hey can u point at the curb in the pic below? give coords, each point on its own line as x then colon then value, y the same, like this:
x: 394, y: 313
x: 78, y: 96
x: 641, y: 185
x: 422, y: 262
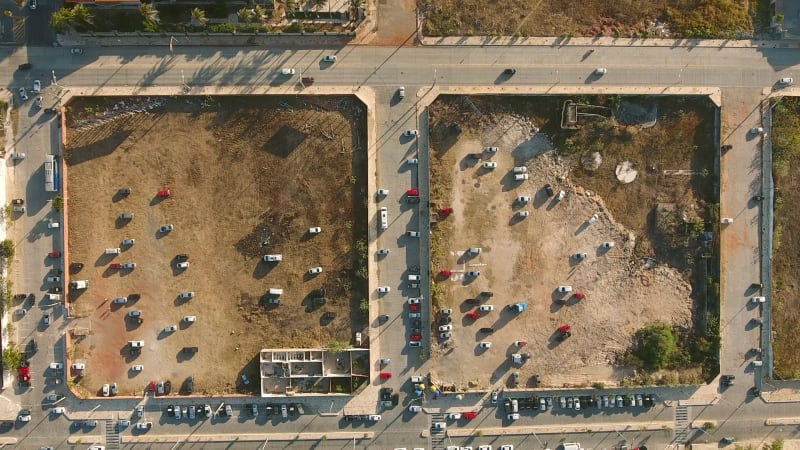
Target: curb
x: 207, y: 438
x: 547, y: 429
x: 487, y: 41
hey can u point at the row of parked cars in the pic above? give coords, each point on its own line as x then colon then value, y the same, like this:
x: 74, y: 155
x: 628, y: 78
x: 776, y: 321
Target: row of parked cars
x: 576, y: 403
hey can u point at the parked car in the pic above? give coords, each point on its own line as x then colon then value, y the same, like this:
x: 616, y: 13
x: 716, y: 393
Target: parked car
x: 190, y: 319
x: 287, y: 71
x: 186, y: 295
x: 445, y: 328
x: 121, y: 300
x: 128, y: 242
x: 411, y: 133
x: 383, y: 289
x: 413, y: 233
x: 329, y: 58
x: 473, y: 273
x: 548, y: 189
x: 76, y: 51
x: 23, y: 95
x: 315, y: 270
x: 130, y: 265
x: 490, y: 165
x: 182, y: 265
x: 601, y: 71
x: 383, y: 251
x: 144, y: 425
x: 165, y: 193
x: 37, y: 86
x: 166, y: 228
x: 106, y: 390
x: 486, y: 308
x: 485, y: 344
x: 509, y: 71
x: 170, y: 329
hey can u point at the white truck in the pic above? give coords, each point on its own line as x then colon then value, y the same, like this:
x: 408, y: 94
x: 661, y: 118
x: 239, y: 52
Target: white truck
x: 79, y: 284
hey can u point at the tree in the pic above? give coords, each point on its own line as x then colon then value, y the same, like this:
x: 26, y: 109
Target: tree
x: 149, y: 14
x: 199, y: 16
x: 61, y: 20
x: 260, y: 14
x: 7, y: 249
x: 318, y: 5
x: 656, y: 346
x: 245, y: 15
x: 336, y: 347
x: 363, y: 305
x: 12, y: 358
x: 81, y: 17
x: 58, y: 203
x: 290, y: 6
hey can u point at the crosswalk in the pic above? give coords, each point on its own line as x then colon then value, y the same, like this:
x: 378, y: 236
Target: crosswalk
x: 112, y: 435
x: 682, y: 424
x: 437, y: 439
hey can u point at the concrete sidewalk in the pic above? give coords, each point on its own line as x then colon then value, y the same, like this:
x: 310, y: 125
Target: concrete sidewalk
x: 552, y: 429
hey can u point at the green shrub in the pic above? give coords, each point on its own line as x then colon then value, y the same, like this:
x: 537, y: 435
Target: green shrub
x: 656, y: 346
x: 7, y: 249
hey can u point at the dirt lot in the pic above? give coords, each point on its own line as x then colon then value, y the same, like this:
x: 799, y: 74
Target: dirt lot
x: 527, y: 259
x: 566, y: 18
x: 785, y: 313
x: 248, y: 177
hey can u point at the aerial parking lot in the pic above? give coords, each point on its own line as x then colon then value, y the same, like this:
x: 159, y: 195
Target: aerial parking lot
x: 559, y: 257
x: 195, y: 194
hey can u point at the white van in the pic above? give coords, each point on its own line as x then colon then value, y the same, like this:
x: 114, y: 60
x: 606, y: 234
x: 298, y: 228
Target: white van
x: 273, y: 258
x: 520, y: 169
x: 521, y: 177
x: 384, y: 218
x: 274, y: 292
x: 113, y: 251
x: 54, y: 297
x: 52, y: 225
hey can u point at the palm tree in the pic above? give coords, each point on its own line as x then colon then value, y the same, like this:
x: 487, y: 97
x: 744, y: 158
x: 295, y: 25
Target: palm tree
x: 354, y: 6
x: 199, y: 16
x: 61, y: 20
x: 290, y: 6
x: 149, y: 14
x: 260, y: 14
x: 245, y: 15
x: 81, y: 16
x: 319, y: 4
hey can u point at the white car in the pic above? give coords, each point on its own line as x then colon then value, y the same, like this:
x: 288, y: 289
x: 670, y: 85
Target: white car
x: 414, y: 408
x: 32, y: 4
x: 490, y: 165
x: 506, y: 447
x: 523, y: 199
x: 58, y: 410
x: 755, y: 130
x: 786, y: 81
x: 486, y: 308
x: 23, y: 94
x: 171, y: 329
x: 186, y: 295
x: 413, y: 301
x: 474, y: 273
x: 329, y: 58
x: 144, y: 425
x: 383, y: 289
x: 128, y: 242
x: 130, y: 265
x: 411, y: 133
x: 106, y: 390
x: 446, y: 312
x: 607, y: 245
x: 758, y: 299
x: 601, y: 71
x: 315, y: 270
x: 485, y: 344
x: 484, y: 447
x: 454, y: 416
x: 439, y: 426
x: 37, y: 86
x: 121, y: 300
x: 24, y: 415
x: 136, y: 344
x: 521, y: 177
x: 413, y: 233
x: 314, y: 230
x: 18, y: 156
x: 412, y: 161
x: 564, y: 289
x: 374, y: 417
x: 182, y: 265
x: 137, y: 368
x: 445, y: 335
x: 383, y: 251
x: 287, y: 71
x: 135, y: 313
x: 166, y: 228
x: 523, y: 213
x: 579, y: 256
x: 520, y: 169
x: 446, y: 328
x: 53, y: 279
x: 190, y: 319
x: 491, y: 149
x: 401, y: 92
x: 56, y: 366
x: 383, y: 192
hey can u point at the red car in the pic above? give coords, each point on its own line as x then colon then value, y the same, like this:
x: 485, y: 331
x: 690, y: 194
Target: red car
x: 470, y: 415
x: 580, y: 296
x: 446, y: 273
x: 416, y: 337
x: 413, y: 192
x: 385, y: 375
x: 413, y: 307
x: 115, y: 266
x: 473, y: 315
x: 54, y: 255
x: 166, y: 193
x: 445, y: 212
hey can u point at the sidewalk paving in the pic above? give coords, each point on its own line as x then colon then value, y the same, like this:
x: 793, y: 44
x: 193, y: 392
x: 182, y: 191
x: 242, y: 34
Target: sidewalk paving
x: 551, y: 429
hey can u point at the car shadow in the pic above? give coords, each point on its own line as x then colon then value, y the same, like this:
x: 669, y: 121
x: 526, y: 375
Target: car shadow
x: 132, y: 324
x: 515, y: 219
x: 582, y: 227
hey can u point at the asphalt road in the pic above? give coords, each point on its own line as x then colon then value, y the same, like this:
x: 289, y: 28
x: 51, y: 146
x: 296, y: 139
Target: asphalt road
x: 383, y: 69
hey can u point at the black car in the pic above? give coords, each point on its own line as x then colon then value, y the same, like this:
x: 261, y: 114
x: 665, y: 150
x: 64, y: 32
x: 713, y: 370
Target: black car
x: 487, y: 330
x: 383, y: 318
x: 416, y: 323
x: 189, y: 385
x: 182, y: 257
x: 549, y: 190
x: 509, y: 71
x: 76, y: 266
x: 34, y: 347
x: 167, y: 387
x: 725, y: 148
x: 26, y: 66
x: 727, y: 380
x: 486, y: 294
x: 51, y: 111
x: 444, y: 320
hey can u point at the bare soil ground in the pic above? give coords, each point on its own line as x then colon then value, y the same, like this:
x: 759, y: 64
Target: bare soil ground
x: 636, y: 18
x: 249, y: 177
x: 785, y: 313
x: 526, y: 259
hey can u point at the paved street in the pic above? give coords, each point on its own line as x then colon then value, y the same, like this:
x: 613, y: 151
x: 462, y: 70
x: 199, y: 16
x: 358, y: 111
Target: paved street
x: 745, y: 75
